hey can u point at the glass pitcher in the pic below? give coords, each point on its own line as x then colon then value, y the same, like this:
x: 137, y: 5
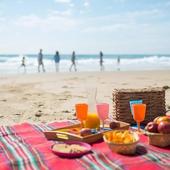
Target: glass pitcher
x: 92, y: 120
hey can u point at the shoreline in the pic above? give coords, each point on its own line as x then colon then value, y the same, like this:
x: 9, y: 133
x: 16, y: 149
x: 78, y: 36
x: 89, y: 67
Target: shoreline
x: 52, y: 96
x: 12, y: 65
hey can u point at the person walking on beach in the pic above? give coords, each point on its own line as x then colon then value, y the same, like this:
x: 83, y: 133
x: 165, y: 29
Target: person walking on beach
x: 73, y: 58
x: 57, y: 60
x: 118, y: 63
x: 118, y: 60
x: 23, y: 63
x: 40, y: 61
x: 101, y: 61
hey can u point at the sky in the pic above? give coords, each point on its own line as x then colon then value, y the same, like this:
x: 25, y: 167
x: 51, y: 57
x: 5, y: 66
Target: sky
x: 86, y: 26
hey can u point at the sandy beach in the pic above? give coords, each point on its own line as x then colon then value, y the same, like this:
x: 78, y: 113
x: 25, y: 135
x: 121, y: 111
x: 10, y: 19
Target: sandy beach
x: 52, y: 96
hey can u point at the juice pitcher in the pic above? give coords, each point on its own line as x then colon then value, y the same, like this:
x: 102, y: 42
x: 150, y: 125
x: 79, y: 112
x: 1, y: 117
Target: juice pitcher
x: 92, y: 120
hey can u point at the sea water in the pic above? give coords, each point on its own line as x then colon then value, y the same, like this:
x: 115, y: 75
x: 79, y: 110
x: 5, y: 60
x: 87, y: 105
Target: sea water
x: 10, y: 64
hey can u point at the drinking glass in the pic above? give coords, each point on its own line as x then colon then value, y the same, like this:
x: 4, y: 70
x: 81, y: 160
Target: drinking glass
x: 81, y: 112
x: 131, y: 102
x: 103, y: 111
x: 139, y: 113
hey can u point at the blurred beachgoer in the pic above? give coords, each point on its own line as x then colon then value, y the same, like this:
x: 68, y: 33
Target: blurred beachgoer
x: 57, y: 60
x: 101, y: 61
x: 73, y: 58
x: 118, y: 63
x: 40, y: 61
x: 23, y: 63
x: 118, y: 60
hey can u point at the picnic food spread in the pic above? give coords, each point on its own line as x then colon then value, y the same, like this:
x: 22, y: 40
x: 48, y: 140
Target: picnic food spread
x: 116, y: 134
x: 76, y: 132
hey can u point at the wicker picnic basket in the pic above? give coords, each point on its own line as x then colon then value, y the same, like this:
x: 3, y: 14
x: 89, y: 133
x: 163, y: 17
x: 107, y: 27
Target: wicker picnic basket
x: 154, y: 98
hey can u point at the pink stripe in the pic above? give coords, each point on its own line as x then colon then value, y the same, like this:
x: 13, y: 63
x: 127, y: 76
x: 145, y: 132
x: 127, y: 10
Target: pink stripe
x: 3, y: 131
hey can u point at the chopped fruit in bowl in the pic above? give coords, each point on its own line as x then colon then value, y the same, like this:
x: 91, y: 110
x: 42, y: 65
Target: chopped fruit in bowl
x: 122, y: 141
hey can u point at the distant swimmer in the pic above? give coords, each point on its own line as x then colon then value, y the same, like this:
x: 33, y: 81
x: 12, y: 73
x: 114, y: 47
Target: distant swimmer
x: 57, y: 60
x: 40, y: 61
x: 73, y: 63
x: 101, y: 61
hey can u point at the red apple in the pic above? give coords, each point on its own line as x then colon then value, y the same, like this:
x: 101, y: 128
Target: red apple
x: 152, y: 127
x: 164, y: 127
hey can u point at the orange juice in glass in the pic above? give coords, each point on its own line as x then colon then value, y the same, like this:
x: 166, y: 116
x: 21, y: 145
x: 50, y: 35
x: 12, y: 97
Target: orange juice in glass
x: 92, y: 121
x: 81, y: 112
x: 139, y: 113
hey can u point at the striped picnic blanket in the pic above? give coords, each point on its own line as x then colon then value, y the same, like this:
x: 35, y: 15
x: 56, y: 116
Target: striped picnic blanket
x: 24, y: 147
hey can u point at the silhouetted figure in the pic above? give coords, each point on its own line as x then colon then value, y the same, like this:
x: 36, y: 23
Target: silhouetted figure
x: 23, y: 63
x: 73, y: 58
x: 57, y: 60
x: 40, y: 61
x: 101, y: 61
